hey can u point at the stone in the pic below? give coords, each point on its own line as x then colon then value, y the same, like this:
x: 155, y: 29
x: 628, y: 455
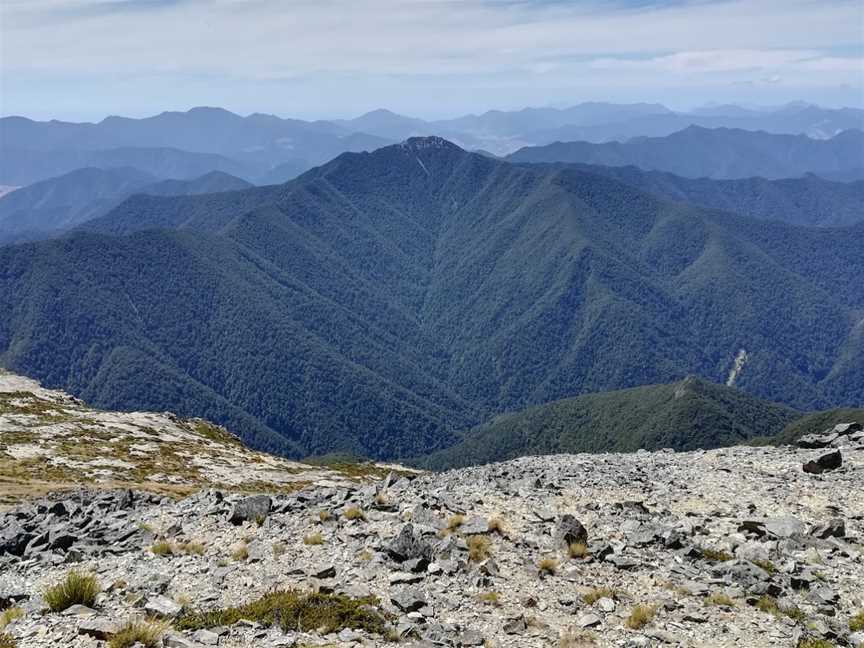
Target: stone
x: 834, y: 528
x: 409, y: 545
x: 251, y: 509
x: 408, y: 599
x: 569, y: 530
x: 589, y: 621
x: 206, y: 637
x: 785, y: 527
x: 824, y: 463
x: 162, y: 607
x: 101, y: 629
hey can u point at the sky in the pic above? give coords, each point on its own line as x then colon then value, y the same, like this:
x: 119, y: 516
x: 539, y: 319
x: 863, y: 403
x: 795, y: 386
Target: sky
x: 86, y: 59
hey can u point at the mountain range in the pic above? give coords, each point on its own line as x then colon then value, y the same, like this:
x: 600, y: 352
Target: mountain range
x: 52, y: 206
x: 721, y: 153
x: 384, y: 301
x: 266, y: 149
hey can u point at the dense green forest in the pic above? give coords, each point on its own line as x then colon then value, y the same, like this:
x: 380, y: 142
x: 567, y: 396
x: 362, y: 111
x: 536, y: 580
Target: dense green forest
x: 382, y: 303
x: 684, y: 415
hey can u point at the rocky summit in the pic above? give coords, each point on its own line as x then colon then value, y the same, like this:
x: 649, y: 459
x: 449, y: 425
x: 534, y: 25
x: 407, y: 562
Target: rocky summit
x: 733, y: 547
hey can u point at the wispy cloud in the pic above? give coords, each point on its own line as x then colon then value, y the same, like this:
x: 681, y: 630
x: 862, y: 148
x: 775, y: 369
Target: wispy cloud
x: 456, y: 43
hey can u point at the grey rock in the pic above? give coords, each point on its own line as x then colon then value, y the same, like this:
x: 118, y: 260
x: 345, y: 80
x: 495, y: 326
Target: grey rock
x: 569, y: 530
x: 162, y: 607
x: 408, y: 599
x: 251, y: 509
x: 824, y: 463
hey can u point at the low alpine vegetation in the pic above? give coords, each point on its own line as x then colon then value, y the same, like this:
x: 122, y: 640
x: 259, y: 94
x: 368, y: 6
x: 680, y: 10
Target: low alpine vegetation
x: 354, y: 513
x: 769, y: 605
x: 9, y: 615
x: 715, y: 555
x: 577, y: 550
x: 490, y: 598
x: 497, y: 525
x: 295, y: 611
x: 641, y: 616
x: 147, y: 633
x: 548, y: 566
x: 478, y: 548
x: 593, y: 595
x: 856, y: 623
x: 6, y: 641
x: 313, y: 539
x: 165, y: 548
x: 76, y: 589
x: 720, y: 600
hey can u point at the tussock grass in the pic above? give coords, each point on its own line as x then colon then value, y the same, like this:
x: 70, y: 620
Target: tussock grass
x: 490, y: 598
x: 279, y: 549
x: 593, y: 595
x: 577, y: 639
x: 640, y: 616
x: 715, y: 555
x: 6, y: 641
x: 76, y: 589
x: 856, y: 623
x: 769, y: 605
x: 815, y: 643
x: 478, y: 548
x: 147, y: 633
x: 295, y: 611
x: 767, y: 565
x: 548, y: 566
x: 165, y: 548
x: 497, y: 525
x: 354, y: 513
x: 313, y: 539
x: 240, y: 554
x: 720, y: 600
x: 577, y: 550
x: 454, y: 522
x: 9, y: 615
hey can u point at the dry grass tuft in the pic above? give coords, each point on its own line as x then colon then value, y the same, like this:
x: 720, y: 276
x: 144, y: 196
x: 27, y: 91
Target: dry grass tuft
x: 640, y: 616
x: 354, y: 513
x: 490, y: 598
x: 313, y: 539
x: 593, y: 595
x: 577, y: 639
x: 856, y: 623
x: 548, y: 566
x: 146, y: 633
x: 9, y: 615
x: 577, y: 550
x: 498, y: 525
x: 719, y: 599
x: 241, y: 553
x: 478, y: 548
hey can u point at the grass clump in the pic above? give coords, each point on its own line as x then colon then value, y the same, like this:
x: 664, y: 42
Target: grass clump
x: 296, y: 612
x: 720, y: 600
x: 165, y: 548
x: 640, y: 616
x: 767, y: 565
x: 240, y: 554
x: 313, y: 539
x: 455, y: 522
x: 715, y: 555
x: 815, y: 643
x: 162, y: 548
x: 6, y: 641
x: 497, y: 525
x: 354, y: 513
x: 769, y: 605
x: 548, y: 566
x: 478, y: 548
x: 490, y: 598
x: 577, y: 550
x: 577, y: 639
x: 279, y: 549
x: 76, y: 589
x: 595, y: 594
x: 146, y: 633
x: 9, y: 615
x: 856, y: 623
x: 324, y: 516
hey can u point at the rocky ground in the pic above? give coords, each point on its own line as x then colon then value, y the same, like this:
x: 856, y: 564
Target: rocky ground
x: 733, y: 547
x: 50, y: 441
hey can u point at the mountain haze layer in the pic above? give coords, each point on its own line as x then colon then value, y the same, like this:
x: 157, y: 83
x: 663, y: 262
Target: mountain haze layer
x: 384, y: 301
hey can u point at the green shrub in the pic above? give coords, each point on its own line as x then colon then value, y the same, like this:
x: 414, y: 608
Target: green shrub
x: 76, y: 589
x: 9, y: 615
x: 295, y: 611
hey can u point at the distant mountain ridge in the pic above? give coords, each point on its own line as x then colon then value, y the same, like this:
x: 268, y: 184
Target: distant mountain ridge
x: 385, y: 301
x: 53, y: 206
x: 721, y: 153
x: 809, y: 200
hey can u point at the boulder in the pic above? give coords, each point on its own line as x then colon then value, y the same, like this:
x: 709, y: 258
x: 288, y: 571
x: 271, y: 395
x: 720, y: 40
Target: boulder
x: 826, y: 462
x: 249, y: 509
x: 568, y: 531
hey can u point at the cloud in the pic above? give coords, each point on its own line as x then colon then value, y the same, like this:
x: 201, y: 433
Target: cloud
x: 452, y: 45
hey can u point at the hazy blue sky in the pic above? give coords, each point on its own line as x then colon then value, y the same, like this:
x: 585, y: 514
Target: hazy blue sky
x: 84, y: 59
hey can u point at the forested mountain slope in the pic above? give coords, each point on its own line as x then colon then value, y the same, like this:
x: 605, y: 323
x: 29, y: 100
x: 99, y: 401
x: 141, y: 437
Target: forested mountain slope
x: 684, y: 415
x: 384, y: 301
